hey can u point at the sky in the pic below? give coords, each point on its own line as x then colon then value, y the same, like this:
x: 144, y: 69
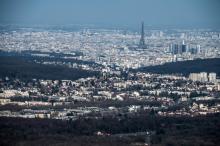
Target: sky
x: 156, y: 13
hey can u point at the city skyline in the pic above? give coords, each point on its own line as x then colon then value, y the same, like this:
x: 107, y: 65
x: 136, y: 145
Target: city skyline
x: 109, y: 72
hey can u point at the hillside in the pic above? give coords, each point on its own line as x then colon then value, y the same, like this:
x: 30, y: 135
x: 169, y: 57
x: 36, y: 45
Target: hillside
x: 25, y: 68
x: 185, y: 67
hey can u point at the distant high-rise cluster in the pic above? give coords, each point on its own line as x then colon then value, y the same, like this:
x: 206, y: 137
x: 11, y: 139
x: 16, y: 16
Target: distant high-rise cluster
x: 203, y: 77
x: 183, y: 48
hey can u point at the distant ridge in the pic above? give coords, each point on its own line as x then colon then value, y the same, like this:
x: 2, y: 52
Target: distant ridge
x: 25, y: 68
x: 185, y: 67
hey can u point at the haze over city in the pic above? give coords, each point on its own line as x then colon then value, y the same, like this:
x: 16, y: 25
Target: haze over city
x: 109, y: 72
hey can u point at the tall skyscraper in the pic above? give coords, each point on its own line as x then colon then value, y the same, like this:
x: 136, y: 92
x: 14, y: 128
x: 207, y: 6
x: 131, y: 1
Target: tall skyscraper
x: 174, y: 49
x: 183, y: 47
x: 142, y: 41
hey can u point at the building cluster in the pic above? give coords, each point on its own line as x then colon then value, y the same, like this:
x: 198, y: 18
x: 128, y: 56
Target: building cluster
x: 117, y: 47
x: 112, y: 52
x: 203, y: 77
x: 183, y: 48
x: 154, y: 91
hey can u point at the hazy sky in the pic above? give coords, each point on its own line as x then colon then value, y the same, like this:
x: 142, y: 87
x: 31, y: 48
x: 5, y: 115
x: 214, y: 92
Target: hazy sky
x: 177, y: 13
